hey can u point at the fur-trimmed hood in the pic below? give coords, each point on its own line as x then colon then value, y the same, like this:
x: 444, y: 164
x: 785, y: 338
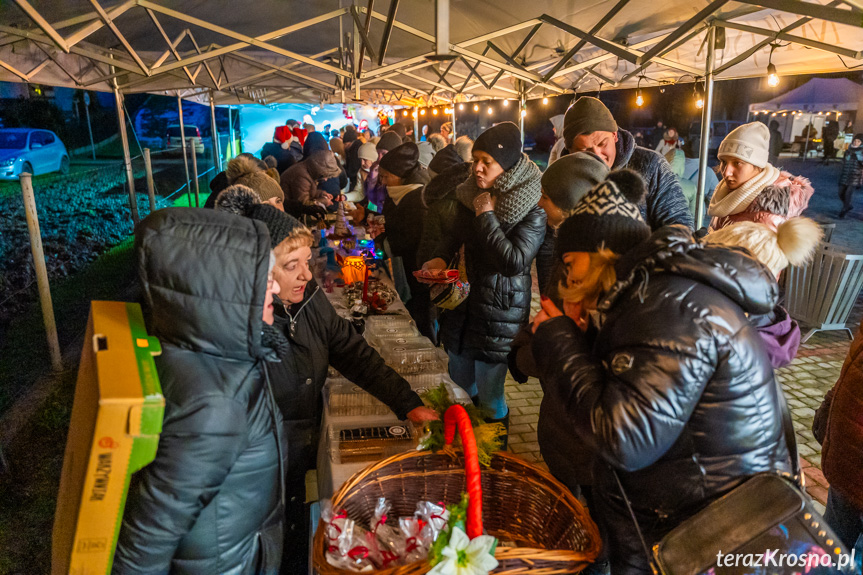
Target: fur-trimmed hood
x: 445, y: 183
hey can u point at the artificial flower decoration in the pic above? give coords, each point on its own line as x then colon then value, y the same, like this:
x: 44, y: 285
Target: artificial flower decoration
x: 464, y: 556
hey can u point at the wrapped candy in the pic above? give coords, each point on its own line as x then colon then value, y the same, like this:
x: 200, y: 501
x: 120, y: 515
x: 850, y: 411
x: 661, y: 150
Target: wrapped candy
x: 435, y: 516
x: 390, y: 541
x: 416, y: 544
x: 345, y: 541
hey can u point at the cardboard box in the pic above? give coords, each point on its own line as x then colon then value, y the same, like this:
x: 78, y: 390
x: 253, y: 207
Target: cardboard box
x: 114, y: 431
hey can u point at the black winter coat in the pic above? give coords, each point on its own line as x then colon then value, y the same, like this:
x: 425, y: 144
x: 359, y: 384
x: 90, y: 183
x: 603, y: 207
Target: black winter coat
x: 285, y: 157
x: 320, y: 338
x: 211, y: 500
x: 545, y: 260
x: 404, y: 229
x: 676, y: 392
x: 852, y: 168
x: 498, y: 258
x: 665, y: 203
x: 439, y: 198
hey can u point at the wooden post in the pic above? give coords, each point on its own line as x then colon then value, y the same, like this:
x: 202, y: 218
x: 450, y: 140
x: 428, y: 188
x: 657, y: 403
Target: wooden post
x: 127, y: 157
x: 195, y: 174
x: 151, y: 189
x: 41, y: 270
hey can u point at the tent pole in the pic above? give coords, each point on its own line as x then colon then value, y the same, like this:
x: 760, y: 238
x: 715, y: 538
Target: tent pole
x: 214, y: 136
x: 706, y: 116
x: 183, y: 140
x: 521, y: 107
x: 417, y: 124
x: 453, y: 136
x: 127, y: 158
x: 231, y: 142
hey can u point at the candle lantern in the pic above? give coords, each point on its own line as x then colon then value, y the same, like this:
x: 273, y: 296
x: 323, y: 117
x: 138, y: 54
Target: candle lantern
x: 353, y: 269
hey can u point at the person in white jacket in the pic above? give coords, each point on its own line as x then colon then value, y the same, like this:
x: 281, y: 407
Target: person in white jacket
x: 668, y: 142
x: 557, y: 149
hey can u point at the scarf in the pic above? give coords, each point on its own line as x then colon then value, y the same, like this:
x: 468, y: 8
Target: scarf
x: 516, y: 191
x: 727, y: 202
x: 396, y: 193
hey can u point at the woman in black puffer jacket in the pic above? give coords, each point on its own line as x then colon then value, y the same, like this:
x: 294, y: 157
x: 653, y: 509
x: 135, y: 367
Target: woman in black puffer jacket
x: 670, y: 384
x: 211, y: 501
x: 501, y: 228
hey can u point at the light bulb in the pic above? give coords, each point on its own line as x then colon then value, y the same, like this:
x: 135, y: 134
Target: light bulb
x: 523, y: 113
x: 461, y: 106
x: 405, y: 113
x: 773, y: 115
x: 545, y: 100
x: 423, y: 112
x: 414, y: 114
x: 772, y: 77
x: 506, y: 102
x: 639, y: 101
x: 699, y: 103
x: 490, y: 110
x: 434, y: 111
x: 819, y: 113
x: 476, y: 107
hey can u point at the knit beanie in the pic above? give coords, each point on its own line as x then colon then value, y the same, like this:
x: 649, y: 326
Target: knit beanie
x: 279, y: 224
x: 243, y: 164
x: 566, y: 181
x: 350, y: 134
x: 749, y: 142
x: 389, y: 141
x: 446, y: 158
x: 237, y: 199
x: 426, y: 153
x: 263, y: 184
x: 315, y: 142
x: 586, y: 116
x: 368, y: 151
x: 557, y: 124
x: 337, y: 146
x: 607, y: 216
x: 857, y: 137
x: 402, y: 160
x: 399, y: 129
x: 502, y: 142
x: 793, y: 242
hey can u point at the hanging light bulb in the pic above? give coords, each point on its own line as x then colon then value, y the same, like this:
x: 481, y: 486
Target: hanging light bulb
x: 476, y: 107
x: 523, y: 113
x: 699, y: 103
x: 784, y: 114
x: 490, y: 110
x: 772, y: 77
x: 405, y: 113
x: 506, y: 102
x: 423, y: 112
x: 434, y: 111
x: 461, y: 106
x: 544, y: 100
x: 639, y: 101
x: 414, y: 114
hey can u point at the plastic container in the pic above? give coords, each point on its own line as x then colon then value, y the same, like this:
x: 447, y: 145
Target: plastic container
x: 414, y: 355
x: 346, y: 399
x: 398, y: 328
x: 360, y: 443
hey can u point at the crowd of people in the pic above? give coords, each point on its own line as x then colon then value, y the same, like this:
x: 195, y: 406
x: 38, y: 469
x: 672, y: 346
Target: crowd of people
x: 655, y: 347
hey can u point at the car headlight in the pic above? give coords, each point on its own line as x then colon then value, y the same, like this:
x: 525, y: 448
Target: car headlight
x: 9, y: 162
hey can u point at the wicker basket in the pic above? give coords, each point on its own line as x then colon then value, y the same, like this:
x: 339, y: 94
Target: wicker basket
x: 521, y: 503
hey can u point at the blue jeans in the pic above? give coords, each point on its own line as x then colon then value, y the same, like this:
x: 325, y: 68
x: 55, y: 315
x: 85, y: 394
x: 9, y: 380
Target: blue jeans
x: 845, y: 519
x: 479, y: 378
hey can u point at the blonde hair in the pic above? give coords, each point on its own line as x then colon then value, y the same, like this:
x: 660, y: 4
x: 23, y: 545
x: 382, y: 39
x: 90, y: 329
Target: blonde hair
x: 600, y: 277
x: 300, y: 237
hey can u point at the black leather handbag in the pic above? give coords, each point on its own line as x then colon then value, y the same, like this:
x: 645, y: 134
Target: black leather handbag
x: 769, y: 523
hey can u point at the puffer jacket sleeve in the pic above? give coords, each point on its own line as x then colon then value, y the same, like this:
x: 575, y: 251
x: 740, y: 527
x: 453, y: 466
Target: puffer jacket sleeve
x: 198, y: 447
x: 666, y: 203
x: 359, y: 362
x: 632, y: 411
x: 451, y: 233
x: 511, y: 252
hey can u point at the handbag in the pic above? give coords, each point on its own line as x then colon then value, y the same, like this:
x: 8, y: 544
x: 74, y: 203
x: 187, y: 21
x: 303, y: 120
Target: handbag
x: 451, y: 294
x: 769, y: 518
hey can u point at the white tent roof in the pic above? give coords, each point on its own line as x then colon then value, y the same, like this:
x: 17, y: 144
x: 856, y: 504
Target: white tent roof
x: 271, y: 51
x: 816, y: 95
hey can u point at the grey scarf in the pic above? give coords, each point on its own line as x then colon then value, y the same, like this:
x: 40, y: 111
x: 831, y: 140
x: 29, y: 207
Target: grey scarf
x: 516, y: 191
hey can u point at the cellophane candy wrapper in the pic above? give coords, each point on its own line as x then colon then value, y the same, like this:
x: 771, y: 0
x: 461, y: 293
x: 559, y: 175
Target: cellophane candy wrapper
x: 346, y: 542
x: 390, y: 541
x: 416, y: 545
x: 435, y: 516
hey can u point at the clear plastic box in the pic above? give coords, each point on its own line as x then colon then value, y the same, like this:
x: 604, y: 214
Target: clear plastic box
x: 414, y: 355
x: 361, y: 443
x: 346, y: 399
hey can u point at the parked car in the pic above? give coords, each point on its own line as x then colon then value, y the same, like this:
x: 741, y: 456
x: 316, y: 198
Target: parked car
x: 173, y: 142
x: 34, y: 151
x: 718, y: 130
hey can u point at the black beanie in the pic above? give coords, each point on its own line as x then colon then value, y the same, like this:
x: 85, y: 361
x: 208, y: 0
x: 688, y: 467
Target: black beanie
x: 279, y: 224
x: 389, y: 141
x: 446, y: 158
x: 568, y: 179
x: 402, y: 160
x: 607, y: 216
x: 399, y: 129
x: 586, y: 116
x: 501, y: 142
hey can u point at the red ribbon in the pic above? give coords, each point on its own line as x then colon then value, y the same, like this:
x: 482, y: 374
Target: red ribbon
x: 388, y: 557
x: 411, y: 544
x: 358, y: 552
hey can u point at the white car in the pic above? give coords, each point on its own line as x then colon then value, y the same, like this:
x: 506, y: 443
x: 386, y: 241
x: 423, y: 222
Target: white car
x: 174, y: 143
x: 34, y: 151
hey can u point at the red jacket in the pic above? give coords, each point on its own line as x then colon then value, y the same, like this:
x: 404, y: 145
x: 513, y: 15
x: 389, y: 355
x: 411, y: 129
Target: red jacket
x: 842, y: 452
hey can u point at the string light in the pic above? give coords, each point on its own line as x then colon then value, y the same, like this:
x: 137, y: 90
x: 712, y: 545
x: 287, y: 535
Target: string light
x: 461, y: 106
x: 772, y: 77
x: 523, y: 113
x: 476, y: 107
x: 405, y: 113
x: 699, y: 103
x: 505, y: 102
x: 414, y: 114
x: 544, y: 100
x: 423, y: 112
x: 490, y: 110
x: 434, y: 111
x: 639, y: 101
